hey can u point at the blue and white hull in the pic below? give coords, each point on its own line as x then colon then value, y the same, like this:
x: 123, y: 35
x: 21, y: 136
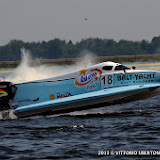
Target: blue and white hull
x: 102, y: 84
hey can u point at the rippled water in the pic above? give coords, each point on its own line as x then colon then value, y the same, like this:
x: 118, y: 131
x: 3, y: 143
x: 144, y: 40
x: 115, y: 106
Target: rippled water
x: 79, y: 135
x: 82, y: 134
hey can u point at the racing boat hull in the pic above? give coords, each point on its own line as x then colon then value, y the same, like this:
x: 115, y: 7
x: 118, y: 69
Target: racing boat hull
x: 102, y: 84
x: 91, y: 103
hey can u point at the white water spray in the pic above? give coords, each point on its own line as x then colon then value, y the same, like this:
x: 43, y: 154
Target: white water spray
x: 87, y: 59
x: 26, y: 71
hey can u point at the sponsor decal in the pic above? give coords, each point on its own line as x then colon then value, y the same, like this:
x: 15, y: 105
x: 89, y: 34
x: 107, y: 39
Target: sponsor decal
x: 28, y: 100
x: 14, y: 106
x: 24, y: 100
x: 67, y: 94
x: 2, y: 91
x: 91, y: 87
x: 136, y: 78
x: 86, y: 77
x: 51, y: 96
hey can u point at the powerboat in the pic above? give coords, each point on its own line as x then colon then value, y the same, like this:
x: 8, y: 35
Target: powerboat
x: 99, y: 85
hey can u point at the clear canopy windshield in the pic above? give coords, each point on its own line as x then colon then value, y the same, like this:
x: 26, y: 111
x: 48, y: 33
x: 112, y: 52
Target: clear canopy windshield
x: 121, y: 67
x: 107, y: 68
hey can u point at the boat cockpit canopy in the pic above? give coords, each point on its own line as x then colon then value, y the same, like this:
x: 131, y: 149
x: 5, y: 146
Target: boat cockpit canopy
x: 114, y: 68
x: 121, y: 67
x: 107, y: 68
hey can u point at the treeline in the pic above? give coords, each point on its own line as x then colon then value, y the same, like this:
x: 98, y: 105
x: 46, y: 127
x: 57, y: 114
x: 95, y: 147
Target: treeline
x: 57, y: 48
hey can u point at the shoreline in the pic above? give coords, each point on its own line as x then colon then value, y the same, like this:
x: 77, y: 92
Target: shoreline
x: 71, y: 61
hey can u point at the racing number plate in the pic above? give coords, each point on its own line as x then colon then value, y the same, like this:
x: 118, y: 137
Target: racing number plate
x: 107, y: 81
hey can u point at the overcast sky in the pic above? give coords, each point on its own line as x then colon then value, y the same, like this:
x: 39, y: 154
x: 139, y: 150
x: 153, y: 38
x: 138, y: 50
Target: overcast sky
x: 38, y: 20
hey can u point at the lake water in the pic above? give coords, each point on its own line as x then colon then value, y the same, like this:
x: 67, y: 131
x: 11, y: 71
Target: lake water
x: 82, y: 135
x: 90, y: 134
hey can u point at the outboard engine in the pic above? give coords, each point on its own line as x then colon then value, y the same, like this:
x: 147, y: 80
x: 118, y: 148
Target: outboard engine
x: 7, y: 92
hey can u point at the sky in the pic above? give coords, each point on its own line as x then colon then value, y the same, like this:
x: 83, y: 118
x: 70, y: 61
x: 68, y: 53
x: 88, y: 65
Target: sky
x: 44, y: 20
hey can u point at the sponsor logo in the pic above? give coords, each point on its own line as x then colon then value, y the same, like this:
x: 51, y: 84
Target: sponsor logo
x: 2, y: 91
x: 136, y: 77
x: 24, y: 100
x: 91, y: 87
x: 87, y: 77
x: 14, y: 106
x: 28, y: 100
x: 67, y: 94
x: 51, y: 96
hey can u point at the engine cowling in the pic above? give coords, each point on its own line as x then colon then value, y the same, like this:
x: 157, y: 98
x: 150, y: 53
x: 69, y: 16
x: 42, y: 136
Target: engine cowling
x: 7, y: 92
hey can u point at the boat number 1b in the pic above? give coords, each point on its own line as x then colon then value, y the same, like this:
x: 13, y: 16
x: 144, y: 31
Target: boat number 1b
x: 107, y: 81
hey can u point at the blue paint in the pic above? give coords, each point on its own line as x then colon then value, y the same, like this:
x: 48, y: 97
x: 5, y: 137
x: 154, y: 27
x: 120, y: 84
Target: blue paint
x: 65, y: 91
x: 86, y: 96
